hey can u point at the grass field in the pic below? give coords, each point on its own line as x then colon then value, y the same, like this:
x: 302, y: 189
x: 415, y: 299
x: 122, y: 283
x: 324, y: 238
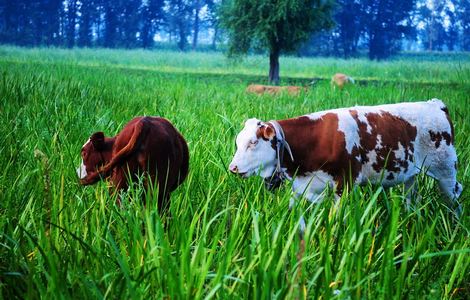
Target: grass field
x: 228, y: 237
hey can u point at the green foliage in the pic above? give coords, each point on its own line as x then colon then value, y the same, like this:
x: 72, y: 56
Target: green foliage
x: 227, y: 237
x: 275, y: 25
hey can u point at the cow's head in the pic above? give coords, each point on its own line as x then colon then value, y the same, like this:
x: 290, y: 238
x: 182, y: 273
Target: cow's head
x: 95, y: 153
x: 255, y: 151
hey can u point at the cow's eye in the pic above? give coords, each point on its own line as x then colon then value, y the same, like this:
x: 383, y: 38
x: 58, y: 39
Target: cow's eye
x: 253, y: 142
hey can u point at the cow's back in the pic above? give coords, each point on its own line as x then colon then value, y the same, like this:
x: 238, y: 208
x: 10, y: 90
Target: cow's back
x: 169, y: 146
x: 160, y: 152
x: 428, y: 121
x: 390, y: 143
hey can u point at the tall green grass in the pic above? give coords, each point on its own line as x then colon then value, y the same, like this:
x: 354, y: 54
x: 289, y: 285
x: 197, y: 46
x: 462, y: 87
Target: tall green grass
x: 226, y: 237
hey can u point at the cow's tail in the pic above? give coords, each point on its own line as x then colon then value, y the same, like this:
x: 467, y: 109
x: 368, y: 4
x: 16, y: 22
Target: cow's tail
x: 139, y: 132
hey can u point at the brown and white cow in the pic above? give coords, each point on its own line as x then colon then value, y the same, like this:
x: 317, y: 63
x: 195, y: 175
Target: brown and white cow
x: 385, y: 144
x: 149, y: 146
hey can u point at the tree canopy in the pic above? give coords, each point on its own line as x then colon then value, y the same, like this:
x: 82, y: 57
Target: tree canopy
x: 278, y: 26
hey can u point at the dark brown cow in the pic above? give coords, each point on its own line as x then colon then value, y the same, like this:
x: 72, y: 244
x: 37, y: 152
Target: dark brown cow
x: 148, y: 146
x: 386, y: 144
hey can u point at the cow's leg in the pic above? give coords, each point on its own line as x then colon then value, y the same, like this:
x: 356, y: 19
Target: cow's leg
x: 163, y: 201
x: 452, y: 189
x: 292, y: 202
x: 302, y: 224
x: 311, y: 187
x: 119, y: 182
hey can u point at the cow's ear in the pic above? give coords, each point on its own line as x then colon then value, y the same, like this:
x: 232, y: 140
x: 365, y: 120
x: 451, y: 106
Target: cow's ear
x: 265, y: 132
x: 97, y: 139
x: 269, y: 132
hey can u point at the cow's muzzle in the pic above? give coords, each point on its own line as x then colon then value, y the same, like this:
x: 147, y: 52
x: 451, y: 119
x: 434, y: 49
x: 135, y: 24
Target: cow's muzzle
x: 234, y: 170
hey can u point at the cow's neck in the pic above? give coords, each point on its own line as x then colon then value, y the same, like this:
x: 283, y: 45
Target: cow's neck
x: 290, y: 129
x: 299, y: 134
x: 316, y: 144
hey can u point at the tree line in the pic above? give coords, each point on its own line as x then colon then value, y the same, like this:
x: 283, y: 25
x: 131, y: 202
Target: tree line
x: 104, y: 23
x: 340, y: 28
x: 383, y: 27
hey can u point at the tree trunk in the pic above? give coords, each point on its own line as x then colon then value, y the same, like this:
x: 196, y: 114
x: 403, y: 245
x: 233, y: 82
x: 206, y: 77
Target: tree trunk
x: 146, y: 26
x: 431, y: 32
x: 71, y: 21
x: 274, y: 67
x: 214, y: 38
x: 110, y: 23
x: 99, y: 35
x: 182, y: 36
x: 196, y: 24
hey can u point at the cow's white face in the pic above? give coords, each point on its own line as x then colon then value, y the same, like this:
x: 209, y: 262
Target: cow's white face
x: 81, y: 171
x: 255, y: 152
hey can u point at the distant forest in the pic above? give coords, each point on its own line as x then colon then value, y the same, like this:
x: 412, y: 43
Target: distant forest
x: 359, y: 26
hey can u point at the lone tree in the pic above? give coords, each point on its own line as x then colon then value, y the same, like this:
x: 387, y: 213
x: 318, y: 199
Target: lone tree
x: 278, y: 26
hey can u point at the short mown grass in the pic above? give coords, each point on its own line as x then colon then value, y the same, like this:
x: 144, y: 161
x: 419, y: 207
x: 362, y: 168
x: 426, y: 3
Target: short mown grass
x: 226, y: 237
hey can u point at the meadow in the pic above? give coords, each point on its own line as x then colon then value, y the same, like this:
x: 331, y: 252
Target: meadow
x: 227, y: 237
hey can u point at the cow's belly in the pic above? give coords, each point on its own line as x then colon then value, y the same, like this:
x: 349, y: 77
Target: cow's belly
x: 312, y: 184
x: 370, y: 174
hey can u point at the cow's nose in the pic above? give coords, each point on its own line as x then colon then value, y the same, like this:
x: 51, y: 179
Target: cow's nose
x: 233, y: 169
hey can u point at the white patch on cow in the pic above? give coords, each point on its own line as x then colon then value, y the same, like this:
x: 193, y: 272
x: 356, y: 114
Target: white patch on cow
x: 362, y: 118
x: 400, y: 153
x: 81, y: 171
x: 254, y: 155
x: 317, y: 115
x: 348, y: 126
x: 379, y: 142
x: 312, y: 185
x: 368, y: 173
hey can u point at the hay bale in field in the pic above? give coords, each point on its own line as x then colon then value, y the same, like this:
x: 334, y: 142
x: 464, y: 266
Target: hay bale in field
x: 260, y: 89
x: 340, y: 80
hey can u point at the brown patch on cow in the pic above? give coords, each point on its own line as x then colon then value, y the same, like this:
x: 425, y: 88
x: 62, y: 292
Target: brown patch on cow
x: 393, y: 131
x: 437, y: 138
x: 390, y: 176
x: 319, y: 145
x: 447, y: 137
x: 446, y: 111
